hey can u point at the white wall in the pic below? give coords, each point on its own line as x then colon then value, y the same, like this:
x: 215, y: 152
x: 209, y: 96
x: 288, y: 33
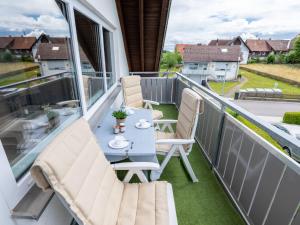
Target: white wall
x: 211, y: 71
x: 55, y: 214
x: 45, y: 67
x: 245, y: 54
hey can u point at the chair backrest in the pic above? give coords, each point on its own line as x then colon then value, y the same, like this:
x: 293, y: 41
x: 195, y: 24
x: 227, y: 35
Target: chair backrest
x: 76, y: 168
x: 190, y: 107
x: 132, y: 91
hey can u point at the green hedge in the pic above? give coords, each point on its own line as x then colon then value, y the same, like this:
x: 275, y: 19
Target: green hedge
x: 292, y: 118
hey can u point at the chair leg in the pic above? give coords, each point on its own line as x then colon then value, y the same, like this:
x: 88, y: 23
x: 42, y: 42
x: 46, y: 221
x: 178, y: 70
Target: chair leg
x: 187, y: 164
x: 155, y: 174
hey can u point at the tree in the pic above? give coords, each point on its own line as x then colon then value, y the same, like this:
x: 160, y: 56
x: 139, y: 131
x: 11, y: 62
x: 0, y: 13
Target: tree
x: 169, y: 60
x: 271, y: 58
x: 297, y: 50
x: 6, y: 56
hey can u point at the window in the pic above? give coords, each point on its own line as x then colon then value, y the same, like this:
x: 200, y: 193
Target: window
x: 193, y: 66
x: 107, y: 42
x: 90, y: 58
x: 222, y: 67
x: 36, y: 101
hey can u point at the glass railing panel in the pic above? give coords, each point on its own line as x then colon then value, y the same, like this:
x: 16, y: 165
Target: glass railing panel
x: 93, y: 83
x: 31, y: 112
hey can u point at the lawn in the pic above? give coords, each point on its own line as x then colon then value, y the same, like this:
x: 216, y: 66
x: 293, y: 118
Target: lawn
x: 217, y: 86
x: 291, y: 72
x: 19, y: 77
x: 10, y: 67
x: 256, y: 81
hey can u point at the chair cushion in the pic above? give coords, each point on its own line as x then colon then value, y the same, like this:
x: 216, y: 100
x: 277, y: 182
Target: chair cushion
x: 156, y: 114
x: 189, y: 107
x: 132, y: 91
x: 75, y: 167
x: 164, y: 135
x: 144, y: 203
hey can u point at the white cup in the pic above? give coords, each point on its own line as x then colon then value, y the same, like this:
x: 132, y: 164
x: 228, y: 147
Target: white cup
x: 119, y: 139
x: 143, y: 122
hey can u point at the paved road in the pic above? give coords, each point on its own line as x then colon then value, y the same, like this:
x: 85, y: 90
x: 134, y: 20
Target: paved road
x: 268, y: 108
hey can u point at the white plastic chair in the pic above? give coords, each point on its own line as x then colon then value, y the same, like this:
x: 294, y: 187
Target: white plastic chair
x: 180, y: 142
x: 132, y: 93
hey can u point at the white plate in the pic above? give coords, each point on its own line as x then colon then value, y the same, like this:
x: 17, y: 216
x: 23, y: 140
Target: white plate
x: 145, y: 126
x: 113, y: 145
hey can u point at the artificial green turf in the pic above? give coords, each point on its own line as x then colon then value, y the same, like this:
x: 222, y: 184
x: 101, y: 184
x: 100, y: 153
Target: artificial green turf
x: 199, y: 203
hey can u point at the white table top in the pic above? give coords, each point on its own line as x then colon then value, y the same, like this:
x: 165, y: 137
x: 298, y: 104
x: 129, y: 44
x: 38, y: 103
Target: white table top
x: 141, y: 140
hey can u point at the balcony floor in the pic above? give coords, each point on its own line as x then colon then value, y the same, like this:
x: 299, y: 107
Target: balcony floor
x: 199, y: 203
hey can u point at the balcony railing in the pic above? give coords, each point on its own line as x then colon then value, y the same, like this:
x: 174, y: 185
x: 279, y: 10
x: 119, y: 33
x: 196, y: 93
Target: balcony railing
x: 261, y: 180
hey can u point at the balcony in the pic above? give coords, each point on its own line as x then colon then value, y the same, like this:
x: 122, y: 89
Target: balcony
x: 261, y: 182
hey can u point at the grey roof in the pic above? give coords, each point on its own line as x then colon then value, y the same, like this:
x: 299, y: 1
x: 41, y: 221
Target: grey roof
x: 206, y: 53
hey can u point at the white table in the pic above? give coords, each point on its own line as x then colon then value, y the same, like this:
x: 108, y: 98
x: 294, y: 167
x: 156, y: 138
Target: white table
x: 142, y: 141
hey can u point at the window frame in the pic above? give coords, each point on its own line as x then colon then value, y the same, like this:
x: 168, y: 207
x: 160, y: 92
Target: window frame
x: 13, y: 191
x: 87, y: 10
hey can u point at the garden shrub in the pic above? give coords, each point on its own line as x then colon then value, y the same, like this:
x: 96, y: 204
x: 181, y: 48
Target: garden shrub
x: 292, y: 118
x: 271, y: 58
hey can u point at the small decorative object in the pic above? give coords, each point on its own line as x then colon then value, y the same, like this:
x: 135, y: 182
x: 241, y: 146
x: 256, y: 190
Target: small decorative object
x: 116, y: 129
x: 122, y: 127
x: 120, y: 116
x: 53, y: 119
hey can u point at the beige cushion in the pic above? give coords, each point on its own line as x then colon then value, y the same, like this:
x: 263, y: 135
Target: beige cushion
x: 191, y: 104
x: 164, y: 135
x: 156, y: 114
x: 189, y: 107
x: 76, y: 168
x: 132, y: 91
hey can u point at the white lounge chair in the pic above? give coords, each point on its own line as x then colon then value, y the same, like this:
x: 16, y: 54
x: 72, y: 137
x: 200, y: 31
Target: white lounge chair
x: 132, y: 93
x: 75, y: 167
x: 179, y: 143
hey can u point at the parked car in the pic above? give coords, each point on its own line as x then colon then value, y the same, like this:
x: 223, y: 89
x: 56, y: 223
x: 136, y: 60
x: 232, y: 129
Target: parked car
x: 293, y: 130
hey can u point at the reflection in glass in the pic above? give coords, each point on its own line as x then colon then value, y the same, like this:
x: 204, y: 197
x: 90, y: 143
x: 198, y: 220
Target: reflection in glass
x: 38, y: 94
x: 107, y: 41
x: 90, y: 57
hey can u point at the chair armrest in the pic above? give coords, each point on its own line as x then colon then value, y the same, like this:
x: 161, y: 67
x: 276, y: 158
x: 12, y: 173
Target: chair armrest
x: 68, y: 103
x: 151, y: 102
x: 164, y: 121
x: 136, y: 166
x: 175, y: 141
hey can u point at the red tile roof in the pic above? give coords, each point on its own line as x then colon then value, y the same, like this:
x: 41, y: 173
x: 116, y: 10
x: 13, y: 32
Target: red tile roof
x: 206, y: 53
x: 50, y: 51
x: 180, y: 48
x: 258, y: 45
x: 279, y: 45
x: 23, y: 43
x: 5, y: 42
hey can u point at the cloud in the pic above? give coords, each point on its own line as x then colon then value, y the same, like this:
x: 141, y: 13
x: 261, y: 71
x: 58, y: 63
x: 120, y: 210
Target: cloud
x: 198, y: 21
x: 31, y: 17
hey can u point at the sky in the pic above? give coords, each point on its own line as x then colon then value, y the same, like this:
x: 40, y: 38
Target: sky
x: 199, y: 21
x: 31, y: 18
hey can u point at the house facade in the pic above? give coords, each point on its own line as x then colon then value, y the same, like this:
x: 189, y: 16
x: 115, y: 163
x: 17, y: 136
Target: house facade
x: 211, y: 62
x: 100, y: 29
x: 231, y: 42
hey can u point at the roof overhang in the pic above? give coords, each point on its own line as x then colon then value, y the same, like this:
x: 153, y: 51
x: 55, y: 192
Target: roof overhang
x: 143, y: 25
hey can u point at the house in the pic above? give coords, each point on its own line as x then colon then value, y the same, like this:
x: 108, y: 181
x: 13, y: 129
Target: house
x: 18, y: 46
x: 211, y: 62
x: 262, y: 48
x: 279, y: 46
x: 235, y: 41
x: 180, y: 48
x: 54, y: 58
